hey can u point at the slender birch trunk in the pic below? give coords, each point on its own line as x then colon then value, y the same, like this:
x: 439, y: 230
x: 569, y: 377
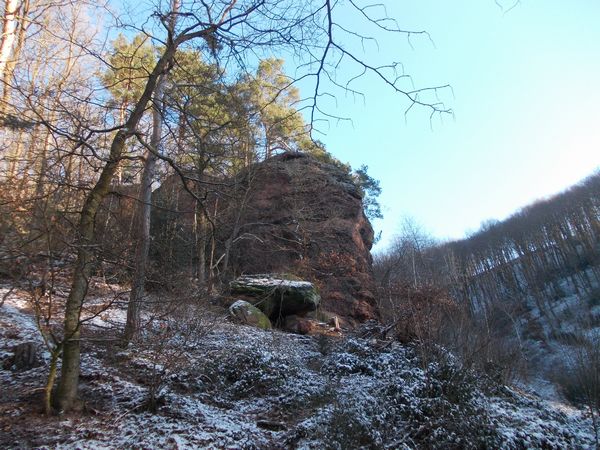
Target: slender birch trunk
x: 8, y: 65
x: 132, y: 326
x: 9, y: 33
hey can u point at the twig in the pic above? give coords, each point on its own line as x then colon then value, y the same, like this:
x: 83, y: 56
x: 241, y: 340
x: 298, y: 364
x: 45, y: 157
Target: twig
x: 5, y: 296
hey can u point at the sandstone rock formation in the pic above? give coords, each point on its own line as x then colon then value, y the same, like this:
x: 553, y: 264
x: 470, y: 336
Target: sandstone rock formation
x: 305, y: 217
x: 247, y: 314
x: 291, y: 214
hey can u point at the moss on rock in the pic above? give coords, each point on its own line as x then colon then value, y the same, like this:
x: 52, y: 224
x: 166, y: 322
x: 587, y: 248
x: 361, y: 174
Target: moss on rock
x: 248, y: 314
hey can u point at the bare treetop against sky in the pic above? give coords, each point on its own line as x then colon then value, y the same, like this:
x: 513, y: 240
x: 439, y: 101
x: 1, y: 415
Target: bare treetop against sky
x: 525, y: 101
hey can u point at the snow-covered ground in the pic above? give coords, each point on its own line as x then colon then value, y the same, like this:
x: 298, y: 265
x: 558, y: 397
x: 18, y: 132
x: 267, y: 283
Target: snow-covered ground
x: 223, y: 386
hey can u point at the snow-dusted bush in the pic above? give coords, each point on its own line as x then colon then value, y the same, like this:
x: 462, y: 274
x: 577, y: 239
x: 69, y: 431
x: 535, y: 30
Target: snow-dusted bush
x: 579, y: 377
x: 250, y: 372
x: 162, y: 353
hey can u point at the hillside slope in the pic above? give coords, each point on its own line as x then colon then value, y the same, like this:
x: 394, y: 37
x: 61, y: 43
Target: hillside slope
x: 219, y: 385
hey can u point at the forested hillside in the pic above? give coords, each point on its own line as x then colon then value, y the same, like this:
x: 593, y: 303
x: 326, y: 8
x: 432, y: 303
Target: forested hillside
x: 543, y: 250
x: 519, y: 296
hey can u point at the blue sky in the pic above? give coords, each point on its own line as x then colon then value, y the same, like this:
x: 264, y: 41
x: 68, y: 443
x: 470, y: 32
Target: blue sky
x: 526, y: 95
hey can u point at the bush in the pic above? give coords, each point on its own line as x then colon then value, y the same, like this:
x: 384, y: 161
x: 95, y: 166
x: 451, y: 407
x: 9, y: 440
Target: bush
x: 579, y: 378
x: 349, y: 428
x: 246, y: 373
x: 163, y: 350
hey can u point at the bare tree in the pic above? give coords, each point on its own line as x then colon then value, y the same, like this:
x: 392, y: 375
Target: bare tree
x: 9, y: 32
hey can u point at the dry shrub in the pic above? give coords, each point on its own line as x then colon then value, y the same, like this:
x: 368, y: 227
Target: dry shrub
x: 430, y: 317
x: 419, y: 314
x: 336, y: 263
x: 579, y: 377
x: 172, y: 332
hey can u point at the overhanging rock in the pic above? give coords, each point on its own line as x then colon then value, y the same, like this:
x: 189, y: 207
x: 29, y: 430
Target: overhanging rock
x: 277, y: 297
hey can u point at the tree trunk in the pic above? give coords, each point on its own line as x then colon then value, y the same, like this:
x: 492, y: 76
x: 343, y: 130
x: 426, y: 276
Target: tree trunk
x: 9, y: 65
x: 9, y: 28
x: 132, y: 326
x: 201, y: 243
x: 50, y: 382
x: 66, y: 395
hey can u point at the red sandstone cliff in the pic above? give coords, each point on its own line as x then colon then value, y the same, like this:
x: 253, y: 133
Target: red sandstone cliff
x: 305, y: 217
x: 296, y: 215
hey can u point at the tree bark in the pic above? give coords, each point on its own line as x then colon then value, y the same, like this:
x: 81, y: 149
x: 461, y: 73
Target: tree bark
x: 66, y: 395
x: 9, y: 28
x: 50, y: 382
x: 201, y: 243
x: 8, y: 65
x: 132, y: 326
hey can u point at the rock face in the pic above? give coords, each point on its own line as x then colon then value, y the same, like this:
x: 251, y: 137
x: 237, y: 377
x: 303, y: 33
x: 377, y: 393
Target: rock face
x: 277, y: 297
x: 302, y: 216
x: 247, y: 314
x: 291, y: 214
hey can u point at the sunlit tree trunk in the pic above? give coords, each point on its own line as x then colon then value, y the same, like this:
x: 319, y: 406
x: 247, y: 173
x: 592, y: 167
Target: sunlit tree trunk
x: 66, y: 395
x: 8, y: 65
x: 9, y: 33
x: 132, y: 326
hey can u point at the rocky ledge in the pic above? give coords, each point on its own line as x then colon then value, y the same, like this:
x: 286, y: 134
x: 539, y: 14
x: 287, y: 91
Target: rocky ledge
x: 277, y: 297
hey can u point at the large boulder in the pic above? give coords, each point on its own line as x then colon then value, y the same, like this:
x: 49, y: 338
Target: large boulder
x: 277, y: 297
x: 248, y: 314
